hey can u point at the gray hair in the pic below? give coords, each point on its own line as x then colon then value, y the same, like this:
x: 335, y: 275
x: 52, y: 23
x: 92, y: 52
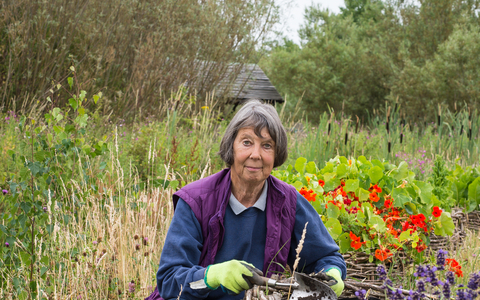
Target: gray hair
x: 257, y: 115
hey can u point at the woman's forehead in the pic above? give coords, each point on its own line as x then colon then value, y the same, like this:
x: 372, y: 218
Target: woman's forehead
x: 250, y: 132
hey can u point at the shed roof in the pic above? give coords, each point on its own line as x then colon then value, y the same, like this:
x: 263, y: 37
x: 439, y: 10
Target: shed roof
x: 252, y: 83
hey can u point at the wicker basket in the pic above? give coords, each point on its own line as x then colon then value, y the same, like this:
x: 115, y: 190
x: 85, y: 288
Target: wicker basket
x: 473, y: 220
x: 455, y: 240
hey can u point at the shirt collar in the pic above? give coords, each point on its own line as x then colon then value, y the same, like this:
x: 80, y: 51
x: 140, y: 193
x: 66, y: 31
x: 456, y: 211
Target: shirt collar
x: 261, y: 203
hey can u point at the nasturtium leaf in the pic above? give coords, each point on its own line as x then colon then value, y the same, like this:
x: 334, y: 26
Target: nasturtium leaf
x: 298, y: 185
x: 334, y: 228
x: 363, y: 194
x: 341, y: 170
x: 331, y: 184
x: 425, y: 191
x: 404, y: 236
x: 444, y: 225
x: 300, y: 165
x: 311, y: 167
x: 332, y: 210
x: 363, y: 160
x: 375, y: 173
x: 328, y: 168
x: 377, y: 223
x: 378, y: 163
x: 351, y: 185
x: 343, y: 160
x: 317, y: 205
x: 344, y: 242
x: 400, y: 197
x: 401, y: 172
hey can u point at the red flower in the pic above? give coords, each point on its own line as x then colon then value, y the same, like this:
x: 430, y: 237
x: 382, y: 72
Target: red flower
x: 321, y: 183
x: 355, y: 244
x: 382, y: 254
x: 437, y: 212
x: 388, y: 203
x: 308, y: 194
x: 454, y: 267
x: 374, y: 197
x: 377, y: 188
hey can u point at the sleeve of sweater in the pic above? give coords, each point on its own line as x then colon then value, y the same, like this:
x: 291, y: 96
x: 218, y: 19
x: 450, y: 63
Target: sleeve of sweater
x: 180, y: 256
x: 319, y: 252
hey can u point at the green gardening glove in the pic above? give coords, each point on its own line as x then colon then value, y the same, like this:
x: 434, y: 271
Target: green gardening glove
x: 231, y: 274
x: 339, y: 286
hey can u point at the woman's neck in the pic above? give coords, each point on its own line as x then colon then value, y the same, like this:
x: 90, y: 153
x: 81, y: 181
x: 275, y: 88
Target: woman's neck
x: 246, y: 193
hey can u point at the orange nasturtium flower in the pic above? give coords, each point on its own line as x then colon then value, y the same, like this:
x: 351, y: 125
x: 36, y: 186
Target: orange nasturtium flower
x: 455, y: 267
x: 355, y: 244
x: 382, y: 254
x: 377, y: 188
x: 437, y: 212
x: 308, y: 194
x: 321, y: 182
x: 374, y: 197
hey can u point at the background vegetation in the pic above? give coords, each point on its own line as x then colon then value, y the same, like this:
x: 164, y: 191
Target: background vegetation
x: 419, y: 55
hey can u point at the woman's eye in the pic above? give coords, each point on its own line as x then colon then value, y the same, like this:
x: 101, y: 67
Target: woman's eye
x: 246, y: 143
x: 268, y: 146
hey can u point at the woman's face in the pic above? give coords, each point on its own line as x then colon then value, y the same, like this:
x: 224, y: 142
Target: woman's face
x: 253, y: 156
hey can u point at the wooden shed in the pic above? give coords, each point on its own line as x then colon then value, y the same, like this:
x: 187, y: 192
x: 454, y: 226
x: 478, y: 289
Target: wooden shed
x: 252, y: 83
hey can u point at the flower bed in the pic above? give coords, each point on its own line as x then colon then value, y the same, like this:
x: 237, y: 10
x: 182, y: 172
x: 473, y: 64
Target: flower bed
x: 371, y: 206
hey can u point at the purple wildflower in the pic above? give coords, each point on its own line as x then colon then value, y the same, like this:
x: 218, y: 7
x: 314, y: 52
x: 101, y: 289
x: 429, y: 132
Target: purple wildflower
x: 45, y: 209
x: 382, y: 273
x: 446, y: 290
x: 474, y: 282
x: 441, y: 255
x: 131, y: 287
x: 95, y: 242
x: 5, y: 192
x: 361, y: 294
x: 420, y: 286
x: 450, y: 277
x: 7, y: 244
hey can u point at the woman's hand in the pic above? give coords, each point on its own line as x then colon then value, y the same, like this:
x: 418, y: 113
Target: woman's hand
x: 339, y: 286
x: 231, y: 274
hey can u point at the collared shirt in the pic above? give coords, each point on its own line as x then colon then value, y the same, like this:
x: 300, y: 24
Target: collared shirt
x: 261, y: 203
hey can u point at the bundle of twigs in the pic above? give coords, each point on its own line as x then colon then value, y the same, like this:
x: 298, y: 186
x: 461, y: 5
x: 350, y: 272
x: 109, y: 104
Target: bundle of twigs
x: 362, y: 274
x: 473, y: 220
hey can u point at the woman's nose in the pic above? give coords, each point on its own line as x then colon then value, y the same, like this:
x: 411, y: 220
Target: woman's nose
x: 255, y: 153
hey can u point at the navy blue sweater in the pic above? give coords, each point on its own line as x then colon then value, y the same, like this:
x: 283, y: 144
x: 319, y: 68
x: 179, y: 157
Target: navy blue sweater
x: 244, y: 240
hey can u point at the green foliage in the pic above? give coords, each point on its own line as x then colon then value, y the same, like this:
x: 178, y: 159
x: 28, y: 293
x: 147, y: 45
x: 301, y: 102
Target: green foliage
x: 416, y: 55
x: 136, y: 53
x: 53, y: 155
x: 441, y: 186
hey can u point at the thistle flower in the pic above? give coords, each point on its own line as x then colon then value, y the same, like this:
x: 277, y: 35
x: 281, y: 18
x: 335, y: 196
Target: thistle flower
x: 7, y: 244
x: 5, y: 192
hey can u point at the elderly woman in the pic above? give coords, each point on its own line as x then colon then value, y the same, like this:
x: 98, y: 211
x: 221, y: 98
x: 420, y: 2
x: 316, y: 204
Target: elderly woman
x: 243, y: 215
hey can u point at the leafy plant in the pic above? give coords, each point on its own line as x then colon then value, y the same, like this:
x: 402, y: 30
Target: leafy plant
x: 370, y: 206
